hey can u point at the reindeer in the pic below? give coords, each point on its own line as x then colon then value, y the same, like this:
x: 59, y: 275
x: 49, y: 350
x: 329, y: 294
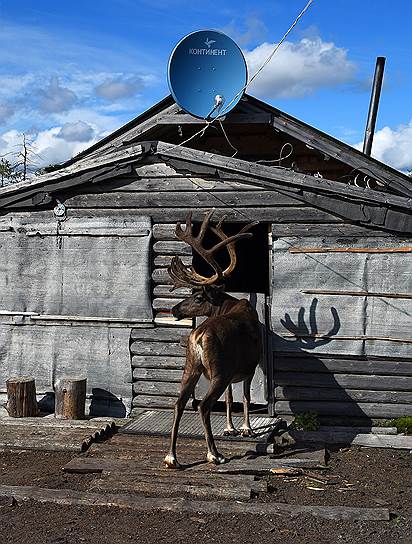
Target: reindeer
x: 226, y: 347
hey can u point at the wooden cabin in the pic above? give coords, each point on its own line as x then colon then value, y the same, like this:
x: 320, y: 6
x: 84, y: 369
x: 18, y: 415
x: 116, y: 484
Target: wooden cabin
x: 85, y: 249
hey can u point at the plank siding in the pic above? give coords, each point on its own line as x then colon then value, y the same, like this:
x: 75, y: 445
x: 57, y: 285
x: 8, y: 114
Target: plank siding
x: 330, y: 385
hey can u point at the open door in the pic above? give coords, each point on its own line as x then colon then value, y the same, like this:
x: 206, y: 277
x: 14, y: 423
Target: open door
x: 249, y: 280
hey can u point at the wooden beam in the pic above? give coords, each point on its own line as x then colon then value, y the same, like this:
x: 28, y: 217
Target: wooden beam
x: 405, y: 249
x: 347, y: 337
x: 355, y: 293
x: 266, y: 176
x: 179, y: 505
x: 349, y: 437
x: 231, y: 119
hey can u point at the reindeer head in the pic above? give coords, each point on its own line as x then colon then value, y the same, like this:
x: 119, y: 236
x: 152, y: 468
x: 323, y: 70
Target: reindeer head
x: 208, y: 294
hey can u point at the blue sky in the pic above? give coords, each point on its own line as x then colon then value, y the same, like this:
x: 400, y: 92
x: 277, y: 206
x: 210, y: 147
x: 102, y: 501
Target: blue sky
x: 71, y: 72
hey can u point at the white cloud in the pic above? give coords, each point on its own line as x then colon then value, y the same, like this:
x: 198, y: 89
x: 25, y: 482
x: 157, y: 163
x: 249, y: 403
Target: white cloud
x: 119, y: 87
x: 47, y: 145
x: 55, y: 98
x: 393, y: 147
x: 298, y: 68
x: 252, y: 29
x: 76, y: 132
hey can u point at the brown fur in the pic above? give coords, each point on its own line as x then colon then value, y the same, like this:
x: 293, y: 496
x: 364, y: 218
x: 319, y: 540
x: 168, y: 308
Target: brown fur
x: 225, y: 348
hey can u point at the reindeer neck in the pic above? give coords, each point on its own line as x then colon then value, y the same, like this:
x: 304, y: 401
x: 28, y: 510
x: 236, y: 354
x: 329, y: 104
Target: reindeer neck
x: 225, y: 307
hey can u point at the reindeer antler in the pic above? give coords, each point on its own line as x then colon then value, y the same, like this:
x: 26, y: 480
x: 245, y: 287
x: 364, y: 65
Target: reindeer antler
x: 182, y: 275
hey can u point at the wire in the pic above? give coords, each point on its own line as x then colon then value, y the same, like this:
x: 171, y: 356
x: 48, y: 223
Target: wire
x: 217, y: 104
x: 236, y: 151
x: 285, y: 35
x: 281, y: 157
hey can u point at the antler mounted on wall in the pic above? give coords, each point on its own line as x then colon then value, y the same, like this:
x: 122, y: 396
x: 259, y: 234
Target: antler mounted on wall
x: 182, y: 275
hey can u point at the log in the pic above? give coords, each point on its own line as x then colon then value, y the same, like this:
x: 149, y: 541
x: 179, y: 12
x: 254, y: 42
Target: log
x: 148, y: 504
x: 148, y: 361
x: 157, y: 375
x: 164, y: 291
x: 172, y: 248
x: 173, y: 349
x: 155, y: 401
x: 160, y: 334
x: 165, y: 260
x: 21, y: 397
x: 156, y: 388
x: 70, y: 398
x: 165, y: 304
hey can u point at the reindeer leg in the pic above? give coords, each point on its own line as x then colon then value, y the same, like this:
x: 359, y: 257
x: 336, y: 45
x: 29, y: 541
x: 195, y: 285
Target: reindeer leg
x: 216, y: 388
x: 230, y: 429
x: 246, y: 429
x: 189, y: 381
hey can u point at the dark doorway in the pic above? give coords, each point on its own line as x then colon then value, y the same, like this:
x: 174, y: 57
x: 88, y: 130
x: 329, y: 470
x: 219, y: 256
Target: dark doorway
x: 251, y: 274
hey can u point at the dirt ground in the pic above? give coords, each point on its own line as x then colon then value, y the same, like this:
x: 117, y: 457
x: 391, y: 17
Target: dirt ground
x: 360, y: 477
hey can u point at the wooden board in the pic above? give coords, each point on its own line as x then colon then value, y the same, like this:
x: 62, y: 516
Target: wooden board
x: 45, y: 439
x: 347, y: 381
x: 168, y: 389
x: 149, y: 504
x: 205, y: 489
x: 263, y: 465
x: 310, y: 363
x: 353, y: 438
x: 348, y: 409
x: 291, y: 393
x: 172, y: 215
x: 155, y: 374
x: 157, y: 348
x: 148, y: 361
x: 194, y: 198
x: 159, y: 334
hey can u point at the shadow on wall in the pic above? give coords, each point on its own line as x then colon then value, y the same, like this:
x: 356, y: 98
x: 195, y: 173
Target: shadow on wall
x: 303, y: 379
x: 102, y: 404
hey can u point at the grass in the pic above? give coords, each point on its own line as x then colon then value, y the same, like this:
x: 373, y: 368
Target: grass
x: 306, y: 421
x: 403, y: 424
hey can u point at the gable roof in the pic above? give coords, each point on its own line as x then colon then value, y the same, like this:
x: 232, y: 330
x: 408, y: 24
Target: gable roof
x: 146, y: 127
x: 360, y: 205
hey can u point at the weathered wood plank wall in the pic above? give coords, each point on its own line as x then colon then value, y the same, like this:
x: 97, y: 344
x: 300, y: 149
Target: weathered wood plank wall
x: 332, y: 383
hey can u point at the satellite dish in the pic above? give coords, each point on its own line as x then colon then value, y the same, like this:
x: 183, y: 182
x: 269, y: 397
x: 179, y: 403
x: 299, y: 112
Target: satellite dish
x: 207, y: 73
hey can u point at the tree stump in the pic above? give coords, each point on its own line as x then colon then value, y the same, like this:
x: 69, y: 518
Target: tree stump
x: 70, y: 398
x: 21, y: 397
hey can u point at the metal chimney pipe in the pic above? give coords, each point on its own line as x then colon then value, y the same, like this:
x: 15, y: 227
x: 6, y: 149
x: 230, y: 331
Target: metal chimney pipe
x: 373, y: 106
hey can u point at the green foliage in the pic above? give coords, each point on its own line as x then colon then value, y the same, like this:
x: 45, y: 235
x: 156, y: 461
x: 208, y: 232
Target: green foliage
x: 8, y: 173
x: 306, y: 421
x: 403, y: 424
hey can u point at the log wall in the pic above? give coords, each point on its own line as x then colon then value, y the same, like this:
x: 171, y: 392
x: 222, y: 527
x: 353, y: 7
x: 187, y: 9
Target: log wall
x: 336, y: 385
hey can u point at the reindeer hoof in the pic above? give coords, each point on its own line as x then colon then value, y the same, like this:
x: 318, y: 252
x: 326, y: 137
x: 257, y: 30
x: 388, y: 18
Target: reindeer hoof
x: 170, y: 461
x: 230, y: 432
x: 216, y: 459
x: 246, y: 431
